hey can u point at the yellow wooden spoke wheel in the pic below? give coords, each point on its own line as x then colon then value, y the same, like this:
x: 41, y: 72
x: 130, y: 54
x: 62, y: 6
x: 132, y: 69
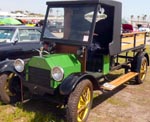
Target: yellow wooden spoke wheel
x: 79, y: 102
x: 83, y: 105
x: 142, y: 70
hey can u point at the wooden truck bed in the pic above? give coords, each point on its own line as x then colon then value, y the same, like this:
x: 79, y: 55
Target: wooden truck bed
x: 131, y: 41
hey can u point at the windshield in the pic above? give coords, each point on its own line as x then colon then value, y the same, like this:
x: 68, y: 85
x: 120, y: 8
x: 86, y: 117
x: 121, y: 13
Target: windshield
x: 28, y: 35
x: 71, y: 23
x: 6, y: 34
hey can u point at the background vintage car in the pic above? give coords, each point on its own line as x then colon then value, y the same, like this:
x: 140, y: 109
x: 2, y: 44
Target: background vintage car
x: 19, y: 41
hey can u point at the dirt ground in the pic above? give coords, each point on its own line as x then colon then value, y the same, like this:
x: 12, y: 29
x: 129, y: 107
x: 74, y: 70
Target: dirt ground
x: 128, y: 103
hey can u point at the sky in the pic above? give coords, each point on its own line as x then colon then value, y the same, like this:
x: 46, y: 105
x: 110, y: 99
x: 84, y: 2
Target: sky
x: 129, y: 7
x: 135, y: 7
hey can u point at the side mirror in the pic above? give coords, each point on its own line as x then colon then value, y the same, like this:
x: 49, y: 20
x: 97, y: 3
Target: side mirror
x: 15, y: 41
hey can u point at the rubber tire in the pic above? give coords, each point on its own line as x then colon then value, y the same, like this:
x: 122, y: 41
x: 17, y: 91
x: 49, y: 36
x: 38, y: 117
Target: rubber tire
x: 5, y: 98
x: 74, y: 99
x: 138, y: 79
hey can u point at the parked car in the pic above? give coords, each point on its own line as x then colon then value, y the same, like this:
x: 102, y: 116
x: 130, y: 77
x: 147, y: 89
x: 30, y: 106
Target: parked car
x: 146, y: 29
x: 19, y: 41
x: 127, y: 28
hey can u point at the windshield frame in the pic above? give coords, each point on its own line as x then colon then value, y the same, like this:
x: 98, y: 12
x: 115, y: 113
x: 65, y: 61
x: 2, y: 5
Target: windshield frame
x: 70, y: 42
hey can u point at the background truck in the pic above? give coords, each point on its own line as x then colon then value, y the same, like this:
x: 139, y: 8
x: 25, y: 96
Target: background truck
x: 80, y: 57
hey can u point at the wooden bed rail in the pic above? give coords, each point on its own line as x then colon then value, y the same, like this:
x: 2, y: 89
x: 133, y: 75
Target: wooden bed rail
x: 132, y: 40
x: 132, y: 34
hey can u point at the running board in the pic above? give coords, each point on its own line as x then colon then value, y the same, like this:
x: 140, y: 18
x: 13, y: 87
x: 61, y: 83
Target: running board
x: 117, y: 82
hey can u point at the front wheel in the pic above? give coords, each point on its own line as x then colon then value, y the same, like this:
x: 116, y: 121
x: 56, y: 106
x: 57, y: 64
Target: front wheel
x: 10, y: 88
x: 80, y: 102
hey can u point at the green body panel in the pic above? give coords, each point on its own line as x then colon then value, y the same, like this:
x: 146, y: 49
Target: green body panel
x: 106, y: 64
x: 68, y: 62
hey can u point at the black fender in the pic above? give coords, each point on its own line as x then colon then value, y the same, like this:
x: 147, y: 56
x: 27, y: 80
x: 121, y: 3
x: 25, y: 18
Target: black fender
x: 147, y: 57
x: 7, y: 66
x: 137, y: 60
x: 68, y: 85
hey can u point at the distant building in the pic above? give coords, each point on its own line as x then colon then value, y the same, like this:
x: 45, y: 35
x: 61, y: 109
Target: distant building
x: 4, y: 14
x: 17, y: 15
x: 8, y: 14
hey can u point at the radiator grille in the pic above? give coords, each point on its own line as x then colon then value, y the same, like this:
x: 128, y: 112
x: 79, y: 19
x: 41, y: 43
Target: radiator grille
x: 39, y: 76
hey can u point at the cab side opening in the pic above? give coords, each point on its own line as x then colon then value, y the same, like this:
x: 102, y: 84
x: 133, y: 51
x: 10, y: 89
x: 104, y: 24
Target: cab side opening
x: 102, y: 37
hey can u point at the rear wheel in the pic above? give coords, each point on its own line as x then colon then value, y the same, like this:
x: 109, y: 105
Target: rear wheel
x: 79, y: 102
x: 10, y: 88
x: 142, y: 70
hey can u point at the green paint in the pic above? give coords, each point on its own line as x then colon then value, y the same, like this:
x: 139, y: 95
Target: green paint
x: 68, y: 62
x: 106, y: 64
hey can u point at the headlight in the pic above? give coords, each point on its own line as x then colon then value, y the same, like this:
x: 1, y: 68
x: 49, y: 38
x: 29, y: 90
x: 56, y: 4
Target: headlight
x: 57, y: 73
x: 19, y: 65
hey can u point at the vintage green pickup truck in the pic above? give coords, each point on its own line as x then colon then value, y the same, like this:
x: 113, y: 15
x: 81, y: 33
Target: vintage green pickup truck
x: 73, y: 63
